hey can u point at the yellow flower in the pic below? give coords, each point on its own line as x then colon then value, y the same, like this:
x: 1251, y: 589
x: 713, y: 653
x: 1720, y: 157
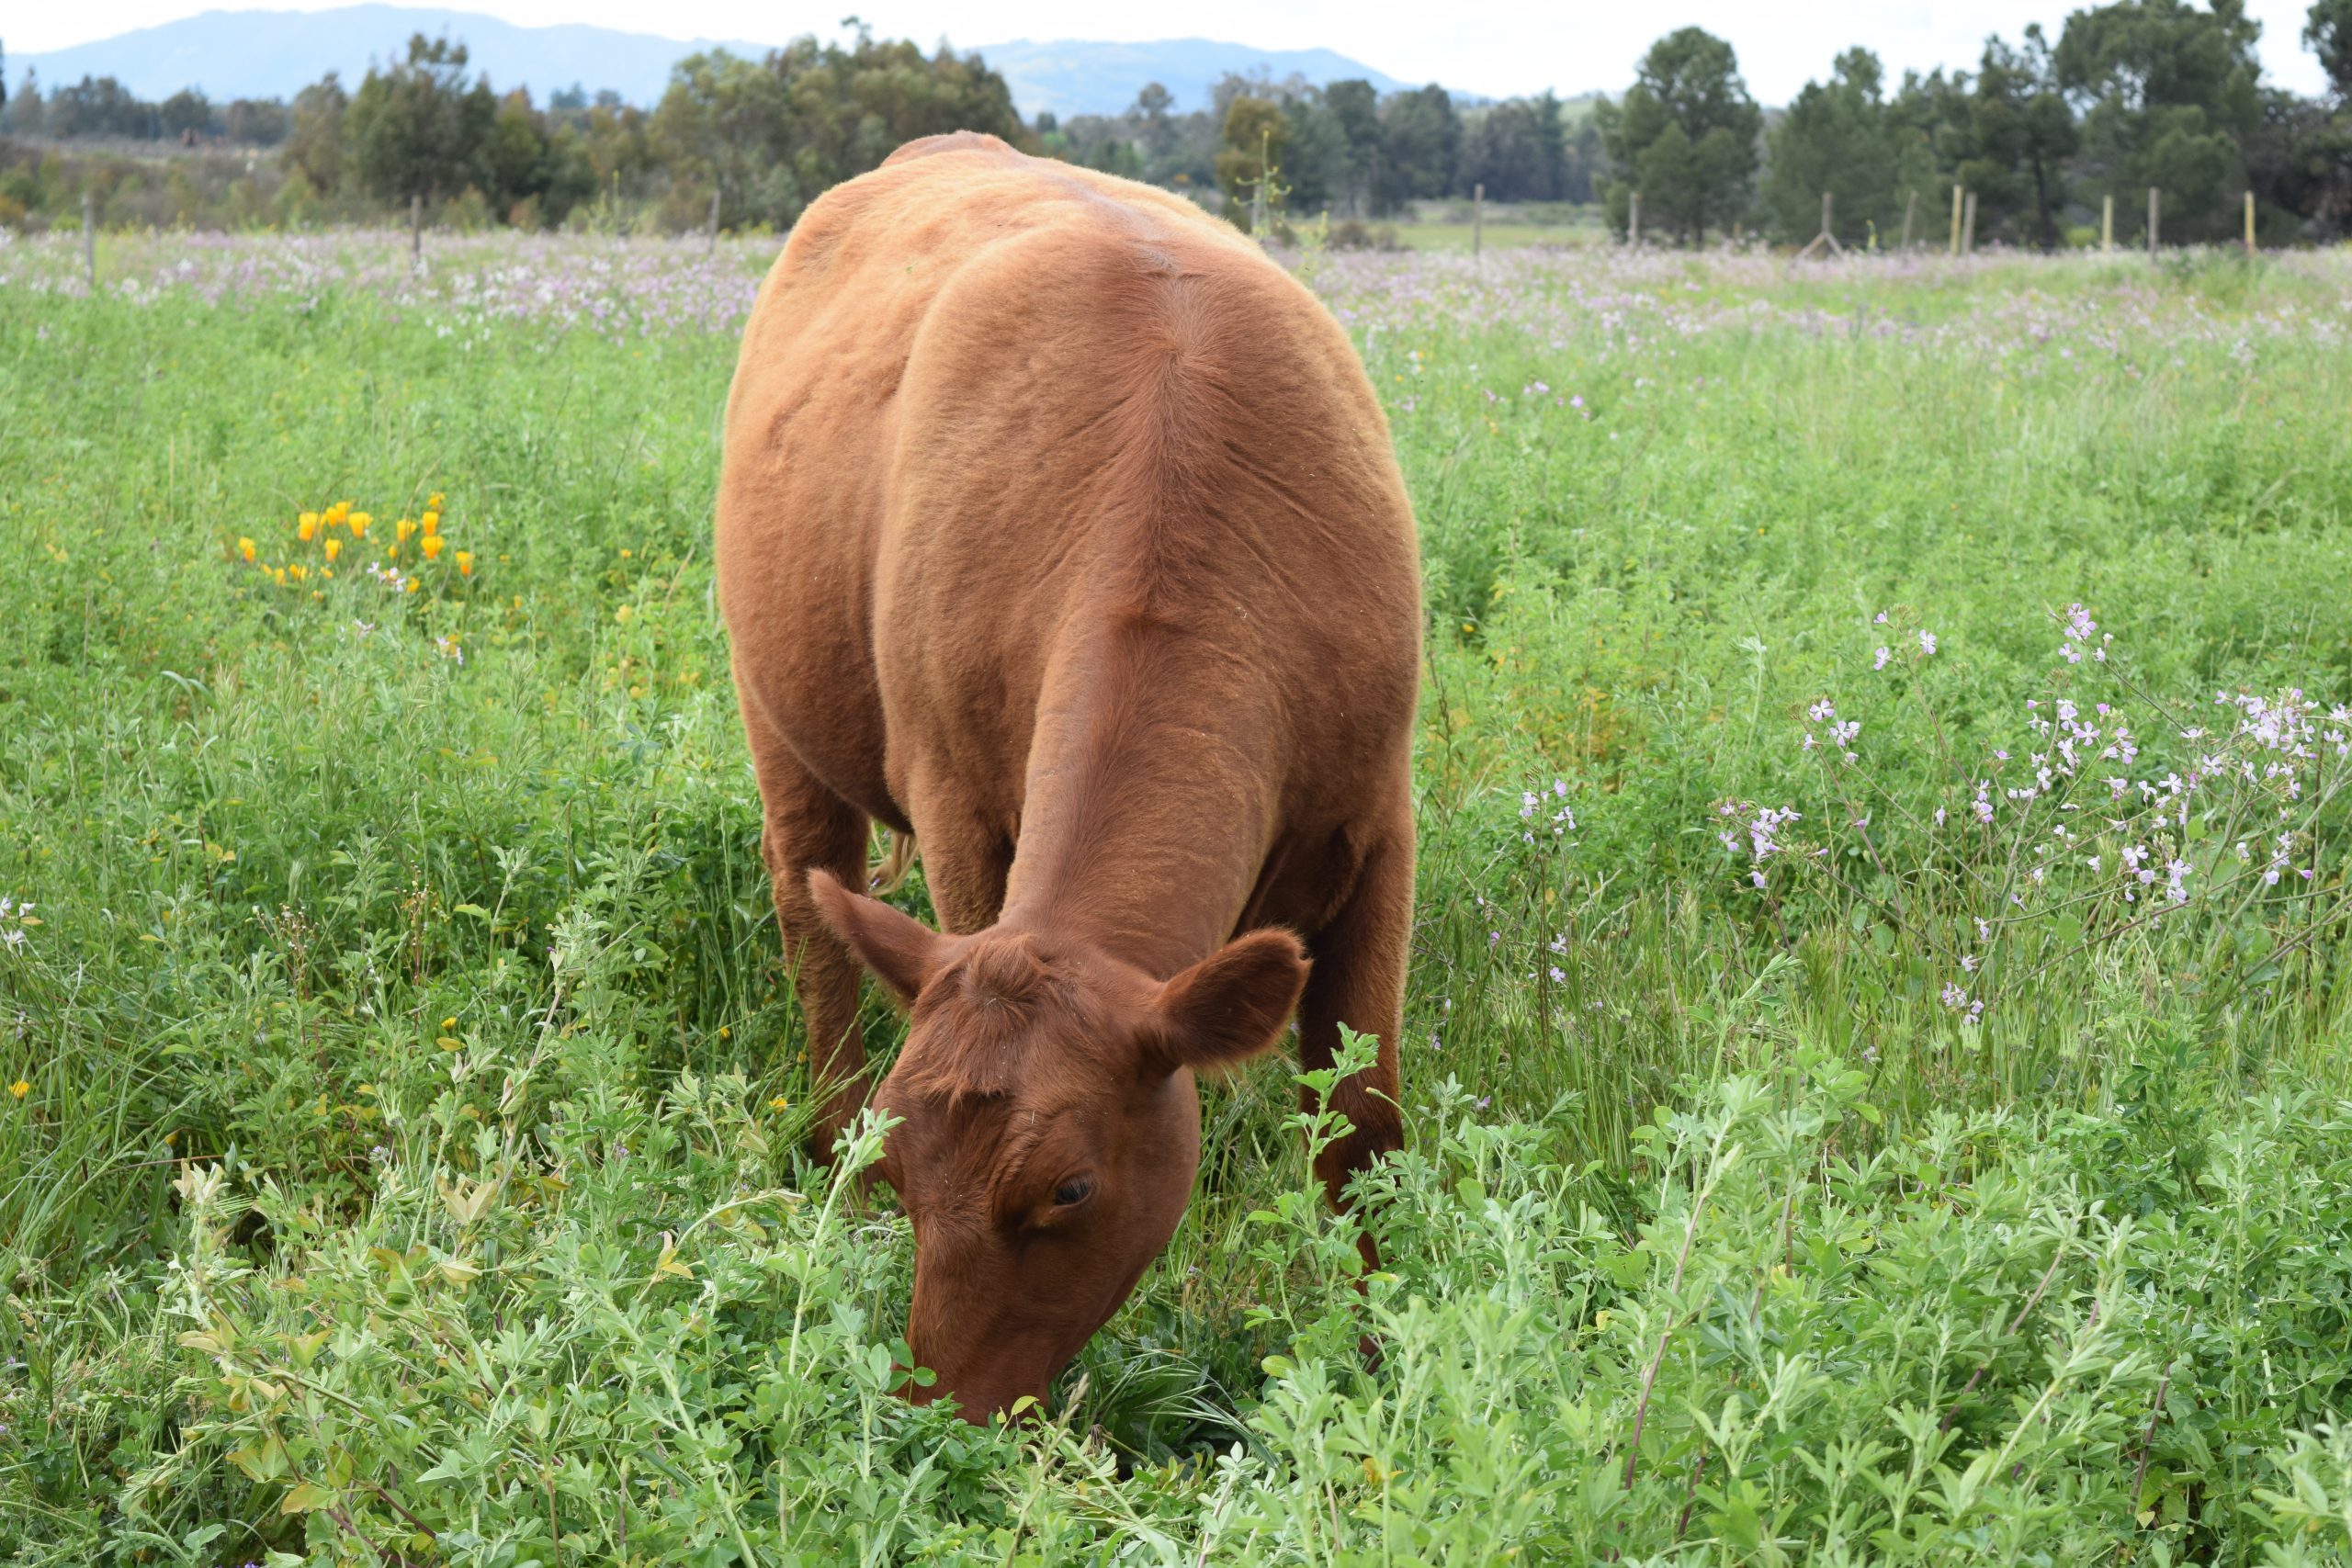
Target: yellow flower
x: 18, y: 1089
x: 359, y: 521
x: 279, y: 573
x: 412, y: 585
x: 431, y: 523
x: 405, y: 528
x: 433, y: 502
x: 624, y: 612
x: 245, y: 548
x: 432, y: 546
x: 779, y: 1103
x: 335, y: 548
x: 340, y: 512
x: 465, y: 563
x: 449, y: 1024
x: 298, y: 572
x: 391, y: 552
x: 306, y: 525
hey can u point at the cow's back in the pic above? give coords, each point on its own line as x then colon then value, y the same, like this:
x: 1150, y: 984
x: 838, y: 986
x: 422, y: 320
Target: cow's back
x: 980, y: 392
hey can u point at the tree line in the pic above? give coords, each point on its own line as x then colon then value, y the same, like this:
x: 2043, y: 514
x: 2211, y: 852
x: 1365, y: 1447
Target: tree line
x: 1342, y: 147
x: 2131, y: 94
x: 765, y: 137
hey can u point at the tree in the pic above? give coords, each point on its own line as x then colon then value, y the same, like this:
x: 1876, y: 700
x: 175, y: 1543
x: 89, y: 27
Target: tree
x: 774, y: 134
x: 418, y: 129
x: 723, y: 122
x: 255, y: 122
x: 185, y: 113
x: 1256, y: 133
x: 516, y: 153
x: 2023, y: 132
x: 2169, y: 95
x: 1586, y: 168
x: 1685, y: 136
x: 2302, y: 160
x: 1516, y: 149
x: 24, y: 110
x: 99, y: 105
x: 1155, y: 119
x: 314, y: 133
x: 1837, y: 137
x: 2327, y: 32
x: 1420, y: 145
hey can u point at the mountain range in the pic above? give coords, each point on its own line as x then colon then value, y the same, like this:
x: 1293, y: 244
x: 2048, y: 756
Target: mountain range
x: 267, y: 54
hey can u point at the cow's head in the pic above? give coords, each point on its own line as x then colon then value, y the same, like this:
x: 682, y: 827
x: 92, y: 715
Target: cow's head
x: 1048, y: 1126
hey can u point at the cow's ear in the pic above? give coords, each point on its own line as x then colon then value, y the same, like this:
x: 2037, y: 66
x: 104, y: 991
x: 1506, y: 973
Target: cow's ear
x: 1229, y: 1006
x: 901, y: 951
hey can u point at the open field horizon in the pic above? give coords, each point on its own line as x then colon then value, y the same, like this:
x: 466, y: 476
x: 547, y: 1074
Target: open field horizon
x: 1876, y: 1068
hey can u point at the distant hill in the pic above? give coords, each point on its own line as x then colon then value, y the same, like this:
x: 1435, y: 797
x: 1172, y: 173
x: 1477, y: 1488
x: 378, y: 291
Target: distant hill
x: 1072, y: 76
x: 274, y: 54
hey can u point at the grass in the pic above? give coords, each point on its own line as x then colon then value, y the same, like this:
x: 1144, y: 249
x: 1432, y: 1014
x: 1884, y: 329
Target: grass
x: 1446, y: 226
x: 401, y: 1160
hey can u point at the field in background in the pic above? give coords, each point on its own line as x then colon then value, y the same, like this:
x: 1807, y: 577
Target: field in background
x: 1828, y: 1144
x: 1447, y: 226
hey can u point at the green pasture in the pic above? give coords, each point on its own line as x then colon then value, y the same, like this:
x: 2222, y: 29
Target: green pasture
x: 400, y: 1155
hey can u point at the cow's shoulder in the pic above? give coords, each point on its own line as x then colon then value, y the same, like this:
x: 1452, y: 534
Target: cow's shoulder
x: 953, y: 142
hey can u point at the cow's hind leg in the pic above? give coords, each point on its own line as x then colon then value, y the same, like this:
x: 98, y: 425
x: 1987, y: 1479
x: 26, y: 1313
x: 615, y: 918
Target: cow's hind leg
x: 1359, y: 980
x: 807, y: 828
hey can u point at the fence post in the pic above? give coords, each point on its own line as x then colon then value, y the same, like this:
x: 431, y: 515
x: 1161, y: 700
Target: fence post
x: 2249, y: 222
x: 1955, y: 219
x: 1968, y: 229
x: 2155, y: 213
x: 1827, y: 205
x: 710, y: 245
x: 1634, y: 225
x: 1910, y: 212
x: 1477, y: 219
x: 2107, y: 224
x: 1258, y: 191
x: 90, y: 238
x: 416, y: 230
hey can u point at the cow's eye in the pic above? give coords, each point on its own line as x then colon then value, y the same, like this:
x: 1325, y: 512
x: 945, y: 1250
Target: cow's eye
x: 1074, y: 1191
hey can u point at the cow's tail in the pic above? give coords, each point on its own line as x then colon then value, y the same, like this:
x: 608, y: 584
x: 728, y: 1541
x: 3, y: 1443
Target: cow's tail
x: 889, y: 873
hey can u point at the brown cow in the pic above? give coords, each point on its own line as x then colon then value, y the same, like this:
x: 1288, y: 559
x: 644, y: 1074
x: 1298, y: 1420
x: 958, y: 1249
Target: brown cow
x: 1059, y: 527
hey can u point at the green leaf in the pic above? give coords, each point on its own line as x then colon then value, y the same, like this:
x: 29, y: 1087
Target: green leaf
x: 307, y: 1495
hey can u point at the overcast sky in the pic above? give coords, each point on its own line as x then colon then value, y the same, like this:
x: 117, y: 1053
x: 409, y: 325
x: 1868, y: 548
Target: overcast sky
x: 1499, y: 47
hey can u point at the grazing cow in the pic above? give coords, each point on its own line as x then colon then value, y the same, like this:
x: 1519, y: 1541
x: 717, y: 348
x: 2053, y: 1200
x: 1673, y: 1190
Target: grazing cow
x: 1059, y: 527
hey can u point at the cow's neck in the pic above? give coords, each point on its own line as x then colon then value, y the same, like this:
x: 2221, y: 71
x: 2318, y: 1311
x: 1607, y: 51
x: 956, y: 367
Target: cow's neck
x: 1150, y: 798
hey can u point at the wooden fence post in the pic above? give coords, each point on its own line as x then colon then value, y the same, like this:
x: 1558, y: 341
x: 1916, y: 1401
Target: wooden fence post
x: 2249, y: 222
x: 1477, y: 219
x: 2155, y: 213
x: 2107, y: 224
x: 1825, y: 238
x: 710, y: 244
x: 1910, y: 214
x: 90, y: 238
x: 1955, y: 219
x: 416, y: 230
x: 1968, y: 229
x: 1634, y: 225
